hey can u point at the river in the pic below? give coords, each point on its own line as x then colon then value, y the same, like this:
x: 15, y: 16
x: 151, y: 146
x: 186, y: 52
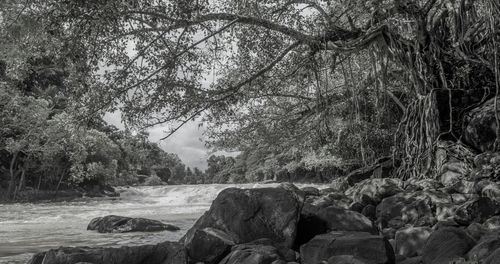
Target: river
x: 29, y: 228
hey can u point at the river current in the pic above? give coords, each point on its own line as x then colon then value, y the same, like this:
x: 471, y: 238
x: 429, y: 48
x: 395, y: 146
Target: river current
x: 26, y: 229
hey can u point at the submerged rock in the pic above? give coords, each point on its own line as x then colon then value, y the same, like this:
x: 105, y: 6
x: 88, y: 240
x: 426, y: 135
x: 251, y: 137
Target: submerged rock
x: 122, y: 224
x: 166, y: 252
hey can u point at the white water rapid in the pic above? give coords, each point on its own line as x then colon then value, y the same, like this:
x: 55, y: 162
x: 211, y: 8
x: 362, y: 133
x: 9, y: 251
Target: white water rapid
x: 29, y: 228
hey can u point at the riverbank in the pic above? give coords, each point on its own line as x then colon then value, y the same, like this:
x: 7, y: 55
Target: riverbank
x: 44, y: 196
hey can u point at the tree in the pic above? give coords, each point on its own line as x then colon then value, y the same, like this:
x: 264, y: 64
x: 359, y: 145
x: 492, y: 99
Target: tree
x: 290, y: 49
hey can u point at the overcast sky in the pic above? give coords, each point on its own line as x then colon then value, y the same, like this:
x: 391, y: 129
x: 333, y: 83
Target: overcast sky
x: 186, y: 142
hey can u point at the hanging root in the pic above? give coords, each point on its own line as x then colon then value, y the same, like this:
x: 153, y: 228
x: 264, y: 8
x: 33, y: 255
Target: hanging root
x: 416, y: 139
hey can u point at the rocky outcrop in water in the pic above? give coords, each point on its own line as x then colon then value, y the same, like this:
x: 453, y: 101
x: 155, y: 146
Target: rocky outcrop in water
x: 122, y: 224
x: 163, y: 253
x: 247, y: 215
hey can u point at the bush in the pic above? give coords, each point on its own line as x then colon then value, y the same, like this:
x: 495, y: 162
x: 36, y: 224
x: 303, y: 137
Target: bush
x: 153, y: 180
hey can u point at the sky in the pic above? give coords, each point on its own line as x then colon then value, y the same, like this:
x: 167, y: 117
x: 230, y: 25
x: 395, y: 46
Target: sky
x: 186, y: 142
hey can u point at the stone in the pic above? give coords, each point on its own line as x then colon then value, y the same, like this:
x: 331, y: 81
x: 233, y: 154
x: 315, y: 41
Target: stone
x: 330, y: 199
x: 166, y: 252
x: 208, y: 245
x: 484, y: 248
x: 122, y: 224
x: 480, y: 132
x: 369, y: 211
x: 411, y: 240
x: 493, y: 257
x: 253, y: 254
x: 250, y: 214
x: 492, y: 223
x: 476, y: 230
x: 477, y: 210
x: 371, y: 249
x: 492, y: 191
x: 374, y: 190
x: 310, y: 191
x: 315, y: 221
x: 382, y: 168
x: 446, y: 244
x: 401, y: 209
x: 449, y: 178
x: 345, y: 259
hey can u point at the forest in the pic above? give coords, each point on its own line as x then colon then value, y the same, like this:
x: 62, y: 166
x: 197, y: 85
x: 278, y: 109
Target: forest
x: 303, y: 90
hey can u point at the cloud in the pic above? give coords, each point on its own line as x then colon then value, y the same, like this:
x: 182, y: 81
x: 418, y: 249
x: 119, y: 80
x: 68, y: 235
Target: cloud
x: 186, y: 142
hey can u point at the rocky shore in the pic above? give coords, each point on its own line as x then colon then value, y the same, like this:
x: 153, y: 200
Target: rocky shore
x: 366, y: 221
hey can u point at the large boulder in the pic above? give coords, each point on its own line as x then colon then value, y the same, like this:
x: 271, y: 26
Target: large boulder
x: 364, y: 247
x: 411, y: 240
x: 249, y: 214
x: 208, y: 245
x: 446, y: 244
x: 476, y: 210
x: 166, y: 252
x: 122, y: 224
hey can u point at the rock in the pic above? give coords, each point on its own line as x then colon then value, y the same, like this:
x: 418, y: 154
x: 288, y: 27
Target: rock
x: 464, y: 187
x: 477, y: 210
x: 484, y: 248
x: 374, y: 190
x: 250, y: 214
x: 330, y: 199
x: 449, y: 178
x: 414, y: 260
x: 315, y: 221
x: 339, y: 219
x: 445, y: 245
x: 480, y: 131
x: 369, y: 211
x: 208, y: 245
x: 420, y: 185
x: 476, y: 230
x: 445, y: 211
x: 388, y: 233
x: 166, y: 252
x: 492, y: 223
x: 371, y: 249
x: 253, y: 254
x: 382, y: 168
x: 339, y: 184
x: 460, y: 198
x: 401, y: 209
x: 121, y: 224
x: 356, y: 207
x: 310, y: 191
x: 492, y: 191
x: 411, y: 240
x: 493, y: 257
x: 345, y: 259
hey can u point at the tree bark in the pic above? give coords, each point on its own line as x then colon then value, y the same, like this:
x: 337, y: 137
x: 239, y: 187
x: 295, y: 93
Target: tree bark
x: 12, y: 182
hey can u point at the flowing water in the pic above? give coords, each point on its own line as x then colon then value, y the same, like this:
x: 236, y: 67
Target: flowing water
x: 29, y: 228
